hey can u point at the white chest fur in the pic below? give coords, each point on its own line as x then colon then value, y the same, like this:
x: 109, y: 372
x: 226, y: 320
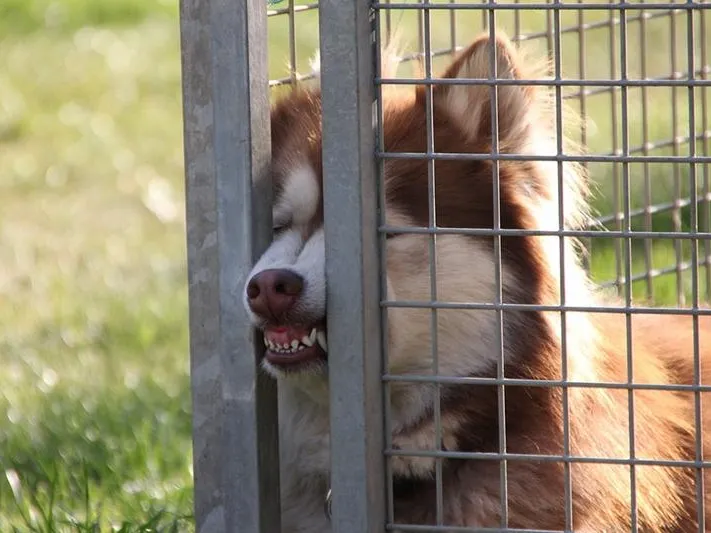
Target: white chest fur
x: 305, y: 456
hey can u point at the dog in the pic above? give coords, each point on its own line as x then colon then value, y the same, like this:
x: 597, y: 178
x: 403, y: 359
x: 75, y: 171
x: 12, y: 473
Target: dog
x: 286, y: 298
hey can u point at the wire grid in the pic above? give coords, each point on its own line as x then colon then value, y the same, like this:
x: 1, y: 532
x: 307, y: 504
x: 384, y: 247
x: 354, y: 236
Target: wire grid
x: 646, y: 134
x: 652, y: 154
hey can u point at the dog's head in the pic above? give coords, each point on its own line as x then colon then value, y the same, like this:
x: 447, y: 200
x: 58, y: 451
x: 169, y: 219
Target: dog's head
x: 286, y: 291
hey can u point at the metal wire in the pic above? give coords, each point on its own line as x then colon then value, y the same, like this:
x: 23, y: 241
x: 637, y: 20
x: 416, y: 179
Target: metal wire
x: 512, y: 382
x: 700, y: 488
x: 290, y: 11
x: 568, y: 484
x: 488, y: 306
x: 498, y: 296
x: 546, y: 233
x: 676, y: 80
x: 614, y: 117
x: 676, y: 214
x: 666, y: 6
x: 489, y: 456
x: 705, y: 148
x: 628, y: 270
x: 387, y: 392
x: 459, y: 529
x: 425, y: 25
x: 698, y: 415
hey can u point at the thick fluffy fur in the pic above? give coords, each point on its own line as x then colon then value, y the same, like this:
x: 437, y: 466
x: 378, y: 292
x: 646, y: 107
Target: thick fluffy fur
x: 468, y: 341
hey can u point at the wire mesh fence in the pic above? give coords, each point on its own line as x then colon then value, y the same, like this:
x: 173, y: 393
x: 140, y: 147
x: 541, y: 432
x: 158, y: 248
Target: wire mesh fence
x: 636, y: 77
x: 666, y: 88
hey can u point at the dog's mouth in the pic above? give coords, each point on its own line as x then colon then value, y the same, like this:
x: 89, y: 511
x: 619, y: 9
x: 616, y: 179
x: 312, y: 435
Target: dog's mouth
x: 294, y: 345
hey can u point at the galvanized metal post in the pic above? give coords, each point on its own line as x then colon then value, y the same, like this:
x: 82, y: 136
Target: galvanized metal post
x: 227, y: 147
x: 352, y: 266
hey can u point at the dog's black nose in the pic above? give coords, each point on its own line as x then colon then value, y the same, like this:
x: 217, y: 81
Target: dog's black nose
x: 272, y: 293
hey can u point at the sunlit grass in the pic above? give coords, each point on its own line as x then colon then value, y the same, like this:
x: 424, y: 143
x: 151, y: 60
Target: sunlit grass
x: 58, y: 16
x: 95, y: 424
x: 94, y: 392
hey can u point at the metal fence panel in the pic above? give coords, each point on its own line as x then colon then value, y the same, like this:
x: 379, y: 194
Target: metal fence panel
x: 352, y: 266
x: 688, y: 74
x: 227, y: 140
x: 227, y: 147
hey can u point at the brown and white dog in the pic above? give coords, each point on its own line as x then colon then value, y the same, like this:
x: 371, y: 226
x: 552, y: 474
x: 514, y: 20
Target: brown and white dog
x: 286, y: 296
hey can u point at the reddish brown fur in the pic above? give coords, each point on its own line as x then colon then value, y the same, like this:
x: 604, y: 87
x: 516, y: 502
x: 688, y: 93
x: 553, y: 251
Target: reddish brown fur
x: 599, y: 418
x: 664, y: 430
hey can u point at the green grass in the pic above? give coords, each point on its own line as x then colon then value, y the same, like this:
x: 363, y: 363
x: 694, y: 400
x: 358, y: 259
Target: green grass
x: 95, y: 405
x: 94, y: 395
x: 18, y: 17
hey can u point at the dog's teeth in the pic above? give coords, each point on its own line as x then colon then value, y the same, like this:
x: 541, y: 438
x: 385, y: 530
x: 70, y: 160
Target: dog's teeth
x: 312, y: 336
x: 321, y: 337
x: 266, y: 342
x: 294, y: 344
x: 307, y: 341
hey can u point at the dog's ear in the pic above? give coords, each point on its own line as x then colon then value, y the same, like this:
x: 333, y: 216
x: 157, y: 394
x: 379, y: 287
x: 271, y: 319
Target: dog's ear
x: 526, y: 119
x: 471, y: 104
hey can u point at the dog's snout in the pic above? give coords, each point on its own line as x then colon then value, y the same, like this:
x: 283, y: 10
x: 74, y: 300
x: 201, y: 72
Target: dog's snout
x: 272, y: 293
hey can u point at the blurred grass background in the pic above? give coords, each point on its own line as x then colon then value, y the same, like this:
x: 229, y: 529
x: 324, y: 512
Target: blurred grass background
x: 94, y: 392
x: 94, y: 401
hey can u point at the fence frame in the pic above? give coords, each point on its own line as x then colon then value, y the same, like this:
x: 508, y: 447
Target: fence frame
x: 351, y: 197
x: 227, y: 149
